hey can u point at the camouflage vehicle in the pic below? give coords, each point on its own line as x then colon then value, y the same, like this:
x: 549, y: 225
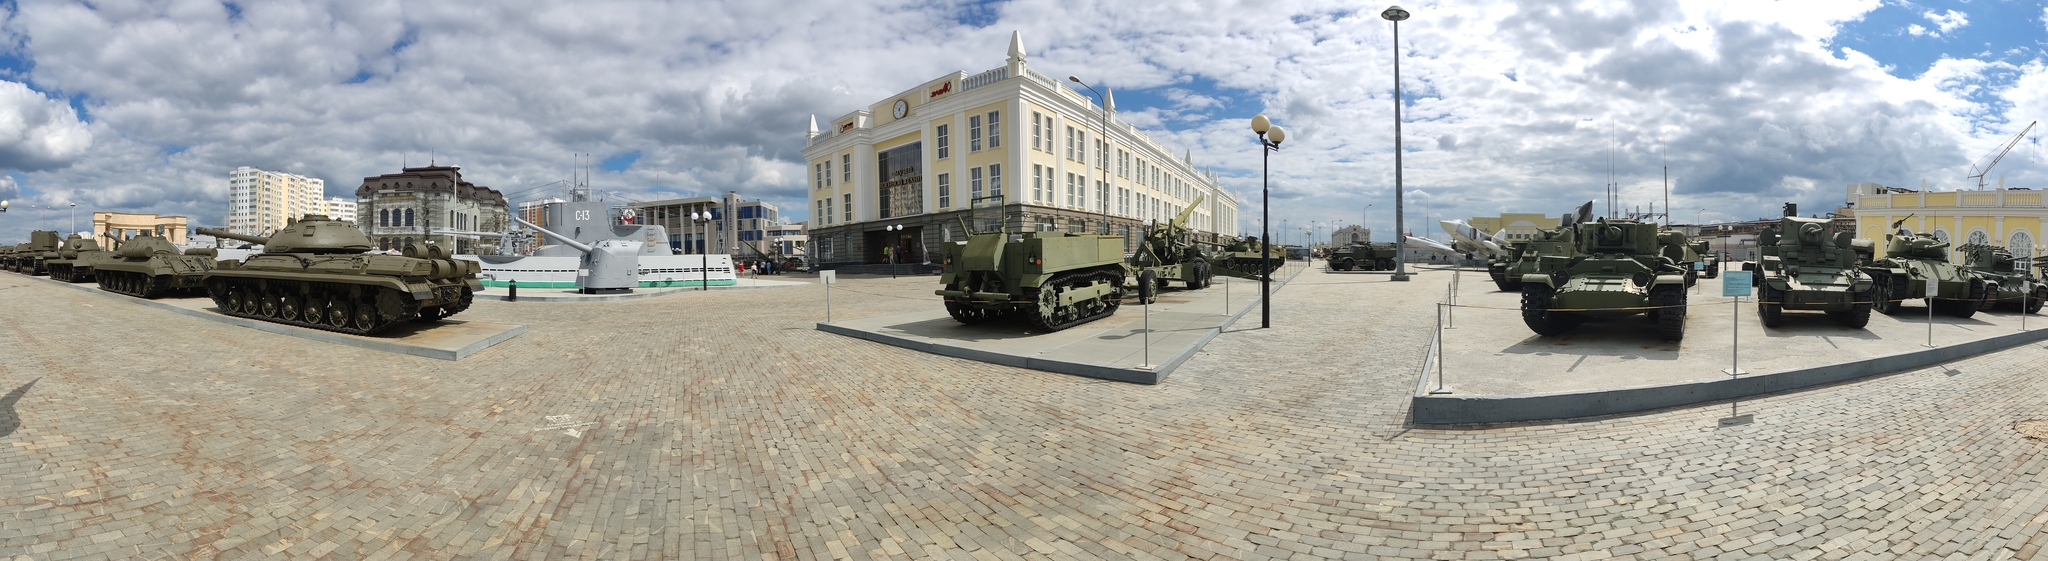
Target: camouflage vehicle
x: 1169, y: 253
x: 1911, y: 262
x: 74, y: 261
x: 317, y: 272
x: 1808, y: 265
x: 2008, y: 282
x: 1622, y: 269
x: 1055, y: 280
x: 1363, y: 255
x: 27, y: 258
x: 149, y: 266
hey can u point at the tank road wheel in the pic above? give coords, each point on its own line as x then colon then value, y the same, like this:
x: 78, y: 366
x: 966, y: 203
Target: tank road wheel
x: 366, y: 315
x: 269, y: 305
x: 1990, y: 297
x: 1770, y: 305
x: 1858, y: 314
x: 237, y: 301
x: 288, y: 306
x: 338, y: 311
x: 2034, y: 302
x: 964, y: 314
x: 1536, y: 311
x: 1671, y: 316
x: 1046, y: 314
x: 1885, y: 299
x: 316, y: 309
x: 1968, y: 306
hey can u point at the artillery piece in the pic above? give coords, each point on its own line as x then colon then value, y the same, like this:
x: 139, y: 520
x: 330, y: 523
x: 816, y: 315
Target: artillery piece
x: 317, y: 272
x: 1169, y: 253
x: 609, y: 266
x: 149, y: 266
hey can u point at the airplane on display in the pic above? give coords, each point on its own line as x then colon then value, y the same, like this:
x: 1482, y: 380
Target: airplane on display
x: 1470, y: 241
x: 1433, y: 246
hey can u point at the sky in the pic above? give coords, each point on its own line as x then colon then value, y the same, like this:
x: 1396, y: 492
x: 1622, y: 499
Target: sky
x: 145, y: 106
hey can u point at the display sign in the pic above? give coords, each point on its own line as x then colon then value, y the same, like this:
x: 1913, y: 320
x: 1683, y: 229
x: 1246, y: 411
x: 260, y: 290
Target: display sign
x: 1933, y: 289
x: 1735, y: 283
x: 828, y: 277
x: 1699, y: 265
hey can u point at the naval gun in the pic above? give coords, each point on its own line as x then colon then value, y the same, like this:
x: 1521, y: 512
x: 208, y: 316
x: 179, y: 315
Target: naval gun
x: 608, y: 266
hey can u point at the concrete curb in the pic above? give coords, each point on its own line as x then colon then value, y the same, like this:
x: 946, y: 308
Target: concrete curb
x: 1428, y: 409
x: 611, y: 297
x: 1133, y: 375
x: 313, y: 334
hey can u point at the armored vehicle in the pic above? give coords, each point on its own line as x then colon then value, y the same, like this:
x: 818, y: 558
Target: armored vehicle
x: 1169, y: 253
x: 1808, y: 265
x: 1249, y: 256
x: 28, y: 257
x: 1910, y: 262
x: 1551, y: 250
x: 1711, y: 263
x: 1621, y: 270
x: 75, y: 261
x: 2008, y: 282
x: 149, y: 266
x: 7, y: 257
x: 1054, y: 279
x: 317, y: 272
x: 1362, y: 255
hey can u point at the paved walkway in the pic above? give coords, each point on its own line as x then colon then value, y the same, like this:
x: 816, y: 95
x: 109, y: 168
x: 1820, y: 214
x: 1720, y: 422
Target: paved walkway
x: 720, y: 425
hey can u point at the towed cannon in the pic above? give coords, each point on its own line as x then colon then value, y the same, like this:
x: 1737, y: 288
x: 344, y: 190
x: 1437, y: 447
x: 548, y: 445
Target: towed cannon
x: 317, y: 272
x: 609, y: 266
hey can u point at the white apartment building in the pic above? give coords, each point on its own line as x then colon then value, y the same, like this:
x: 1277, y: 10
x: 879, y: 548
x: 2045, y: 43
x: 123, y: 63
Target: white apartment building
x: 260, y: 201
x: 342, y: 209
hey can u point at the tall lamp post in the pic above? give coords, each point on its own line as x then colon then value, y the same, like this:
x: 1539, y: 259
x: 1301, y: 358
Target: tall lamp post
x: 893, y: 230
x: 703, y: 221
x: 1102, y: 159
x: 1396, y: 14
x: 1269, y: 142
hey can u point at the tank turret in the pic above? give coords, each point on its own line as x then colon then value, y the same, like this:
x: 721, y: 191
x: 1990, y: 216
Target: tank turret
x: 315, y: 233
x: 609, y: 266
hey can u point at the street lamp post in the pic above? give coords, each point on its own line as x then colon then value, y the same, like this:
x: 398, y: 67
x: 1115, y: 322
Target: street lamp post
x: 1396, y: 14
x: 703, y: 221
x: 1269, y: 142
x: 893, y: 253
x: 1102, y: 159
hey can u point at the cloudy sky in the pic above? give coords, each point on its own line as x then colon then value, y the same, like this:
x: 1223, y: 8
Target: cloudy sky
x: 146, y: 106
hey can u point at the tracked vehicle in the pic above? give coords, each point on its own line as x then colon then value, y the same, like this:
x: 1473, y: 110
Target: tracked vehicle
x: 1911, y: 262
x: 75, y: 261
x: 317, y: 272
x: 2008, y: 282
x: 149, y: 266
x: 27, y: 258
x: 1808, y: 265
x: 1621, y: 270
x: 1054, y: 280
x: 1249, y: 256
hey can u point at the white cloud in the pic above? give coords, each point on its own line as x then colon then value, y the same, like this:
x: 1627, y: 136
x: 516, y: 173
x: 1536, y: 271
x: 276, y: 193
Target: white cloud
x: 1947, y: 21
x: 37, y: 132
x: 1918, y: 30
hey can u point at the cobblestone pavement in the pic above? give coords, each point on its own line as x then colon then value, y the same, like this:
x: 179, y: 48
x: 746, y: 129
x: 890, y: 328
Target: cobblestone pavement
x: 721, y: 425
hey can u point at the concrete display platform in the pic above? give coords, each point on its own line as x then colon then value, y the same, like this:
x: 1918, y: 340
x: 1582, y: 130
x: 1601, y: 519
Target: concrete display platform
x: 448, y: 339
x: 571, y: 295
x: 1500, y: 371
x: 1111, y: 348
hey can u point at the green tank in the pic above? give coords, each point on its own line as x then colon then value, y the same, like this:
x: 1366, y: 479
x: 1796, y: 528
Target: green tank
x: 317, y: 272
x: 2008, y: 282
x: 149, y: 266
x: 1055, y: 280
x: 1247, y: 254
x: 1808, y: 265
x: 1363, y: 256
x: 1710, y: 263
x: 7, y: 257
x: 74, y: 261
x: 1622, y: 269
x: 1911, y: 262
x: 1550, y: 250
x: 27, y: 258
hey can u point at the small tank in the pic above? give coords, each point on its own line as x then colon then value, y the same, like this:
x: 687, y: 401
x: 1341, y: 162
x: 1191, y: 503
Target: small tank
x: 1807, y: 265
x: 75, y: 261
x: 2007, y: 281
x: 1910, y: 262
x: 317, y: 272
x: 149, y: 266
x: 1056, y: 280
x: 27, y: 258
x: 1248, y: 254
x: 1622, y: 269
x: 1550, y: 250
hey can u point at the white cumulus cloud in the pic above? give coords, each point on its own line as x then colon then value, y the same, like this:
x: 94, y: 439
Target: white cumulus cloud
x: 1947, y: 21
x: 37, y: 132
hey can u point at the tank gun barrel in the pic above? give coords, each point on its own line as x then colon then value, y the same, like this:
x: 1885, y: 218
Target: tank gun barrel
x: 558, y: 237
x: 233, y: 236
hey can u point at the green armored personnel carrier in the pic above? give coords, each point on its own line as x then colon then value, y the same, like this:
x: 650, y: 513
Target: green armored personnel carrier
x: 2008, y: 282
x: 1911, y: 262
x: 1055, y: 280
x: 28, y: 257
x: 1808, y: 265
x: 317, y: 272
x: 1169, y: 254
x: 149, y: 266
x: 74, y: 261
x: 1621, y: 270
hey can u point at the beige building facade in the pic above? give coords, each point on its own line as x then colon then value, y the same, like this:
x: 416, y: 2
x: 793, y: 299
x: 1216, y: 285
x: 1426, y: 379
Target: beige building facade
x: 108, y: 227
x: 2011, y: 217
x: 259, y: 202
x: 1007, y: 149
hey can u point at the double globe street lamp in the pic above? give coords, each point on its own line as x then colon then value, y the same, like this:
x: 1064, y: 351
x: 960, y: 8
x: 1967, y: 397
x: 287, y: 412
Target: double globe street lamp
x: 1270, y: 137
x: 895, y: 233
x: 703, y: 220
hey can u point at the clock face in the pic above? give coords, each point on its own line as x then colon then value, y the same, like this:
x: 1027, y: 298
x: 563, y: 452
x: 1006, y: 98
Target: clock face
x: 902, y: 108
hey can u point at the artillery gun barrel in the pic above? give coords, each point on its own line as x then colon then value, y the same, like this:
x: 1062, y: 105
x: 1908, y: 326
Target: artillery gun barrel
x: 558, y: 237
x: 233, y: 236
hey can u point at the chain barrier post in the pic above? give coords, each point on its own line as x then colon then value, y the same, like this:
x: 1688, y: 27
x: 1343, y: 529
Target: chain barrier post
x: 1441, y: 387
x: 828, y: 278
x: 1933, y: 290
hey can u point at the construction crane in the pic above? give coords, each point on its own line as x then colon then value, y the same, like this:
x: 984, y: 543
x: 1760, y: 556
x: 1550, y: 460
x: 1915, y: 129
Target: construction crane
x: 1978, y: 171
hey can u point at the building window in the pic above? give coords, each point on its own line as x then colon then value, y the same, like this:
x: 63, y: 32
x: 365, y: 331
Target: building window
x: 848, y: 212
x: 1123, y: 202
x: 828, y: 172
x: 1074, y: 225
x: 824, y: 216
x: 1037, y: 131
x: 1070, y: 190
x: 945, y: 143
x: 1044, y: 224
x: 995, y: 129
x: 1048, y: 128
x: 995, y: 180
x: 1037, y: 183
x: 408, y: 222
x: 974, y: 133
x: 846, y: 169
x: 817, y: 176
x: 974, y: 185
x: 384, y: 218
x: 1083, y: 135
x: 1070, y: 143
x: 945, y: 190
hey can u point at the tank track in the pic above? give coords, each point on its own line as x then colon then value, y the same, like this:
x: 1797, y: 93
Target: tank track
x: 133, y: 284
x: 69, y: 273
x: 362, y: 317
x: 1063, y: 320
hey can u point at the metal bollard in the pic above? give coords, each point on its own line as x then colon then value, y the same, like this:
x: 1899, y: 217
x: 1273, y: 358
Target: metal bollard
x: 512, y: 291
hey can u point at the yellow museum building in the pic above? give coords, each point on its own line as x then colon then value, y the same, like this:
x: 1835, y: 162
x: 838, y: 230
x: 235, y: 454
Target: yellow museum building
x: 2001, y: 216
x: 1020, y: 150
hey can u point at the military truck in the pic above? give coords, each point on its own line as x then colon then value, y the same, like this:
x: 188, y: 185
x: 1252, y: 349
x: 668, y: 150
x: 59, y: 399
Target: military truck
x: 1910, y: 262
x: 1169, y: 253
x: 1056, y: 280
x: 1362, y: 255
x: 2008, y: 280
x: 1621, y: 270
x: 1808, y: 265
x: 74, y: 261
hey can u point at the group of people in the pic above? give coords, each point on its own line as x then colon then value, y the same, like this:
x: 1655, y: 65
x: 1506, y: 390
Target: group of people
x: 760, y: 267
